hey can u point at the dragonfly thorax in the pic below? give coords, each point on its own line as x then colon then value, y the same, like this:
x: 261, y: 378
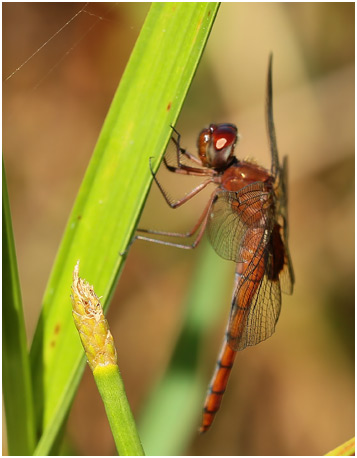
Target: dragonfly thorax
x: 216, y: 145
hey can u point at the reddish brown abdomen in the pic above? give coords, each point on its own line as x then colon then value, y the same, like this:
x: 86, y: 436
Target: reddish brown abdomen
x: 218, y: 386
x: 250, y: 273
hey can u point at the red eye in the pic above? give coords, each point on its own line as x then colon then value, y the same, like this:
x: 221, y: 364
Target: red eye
x: 216, y: 145
x: 224, y: 135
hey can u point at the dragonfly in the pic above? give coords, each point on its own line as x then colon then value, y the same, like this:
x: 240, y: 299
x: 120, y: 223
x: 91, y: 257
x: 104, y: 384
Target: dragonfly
x: 246, y: 218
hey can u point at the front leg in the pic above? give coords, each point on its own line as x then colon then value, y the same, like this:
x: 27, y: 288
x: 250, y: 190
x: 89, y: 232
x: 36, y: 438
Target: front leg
x: 185, y: 169
x: 183, y: 151
x: 178, y: 203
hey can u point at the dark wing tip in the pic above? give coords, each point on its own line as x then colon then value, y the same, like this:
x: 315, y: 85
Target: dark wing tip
x: 270, y: 78
x: 270, y: 121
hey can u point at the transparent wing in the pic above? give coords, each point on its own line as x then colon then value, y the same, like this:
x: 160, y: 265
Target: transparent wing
x: 233, y: 213
x: 287, y: 273
x: 287, y: 277
x: 249, y: 326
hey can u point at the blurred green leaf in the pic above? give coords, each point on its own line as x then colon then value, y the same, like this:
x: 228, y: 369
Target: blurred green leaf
x: 172, y: 414
x: 16, y: 377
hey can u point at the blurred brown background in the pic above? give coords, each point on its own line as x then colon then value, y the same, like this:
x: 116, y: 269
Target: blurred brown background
x: 294, y: 394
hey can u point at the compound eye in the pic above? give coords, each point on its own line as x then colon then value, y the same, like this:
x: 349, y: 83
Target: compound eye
x: 223, y: 140
x: 216, y: 145
x: 224, y: 136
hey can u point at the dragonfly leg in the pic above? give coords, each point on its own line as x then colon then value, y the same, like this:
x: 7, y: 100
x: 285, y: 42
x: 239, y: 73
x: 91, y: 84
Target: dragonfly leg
x: 182, y: 150
x: 187, y: 170
x: 202, y: 221
x: 183, y: 168
x: 200, y: 224
x: 174, y: 244
x: 178, y: 203
x: 180, y: 234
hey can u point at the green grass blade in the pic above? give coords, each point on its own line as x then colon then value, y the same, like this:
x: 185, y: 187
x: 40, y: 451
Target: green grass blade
x: 16, y: 378
x: 172, y: 415
x: 137, y: 127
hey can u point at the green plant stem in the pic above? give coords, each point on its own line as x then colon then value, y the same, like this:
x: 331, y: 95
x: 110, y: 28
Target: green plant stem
x: 172, y: 414
x: 122, y: 424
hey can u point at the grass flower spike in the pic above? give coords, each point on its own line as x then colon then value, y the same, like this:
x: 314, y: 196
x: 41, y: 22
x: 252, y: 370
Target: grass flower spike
x: 101, y: 354
x: 91, y: 324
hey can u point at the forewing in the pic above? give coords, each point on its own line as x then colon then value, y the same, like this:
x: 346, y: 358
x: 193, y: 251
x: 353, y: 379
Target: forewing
x: 257, y: 322
x: 233, y: 212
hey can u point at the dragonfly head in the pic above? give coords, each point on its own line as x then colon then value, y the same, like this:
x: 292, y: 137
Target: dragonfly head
x: 216, y: 145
